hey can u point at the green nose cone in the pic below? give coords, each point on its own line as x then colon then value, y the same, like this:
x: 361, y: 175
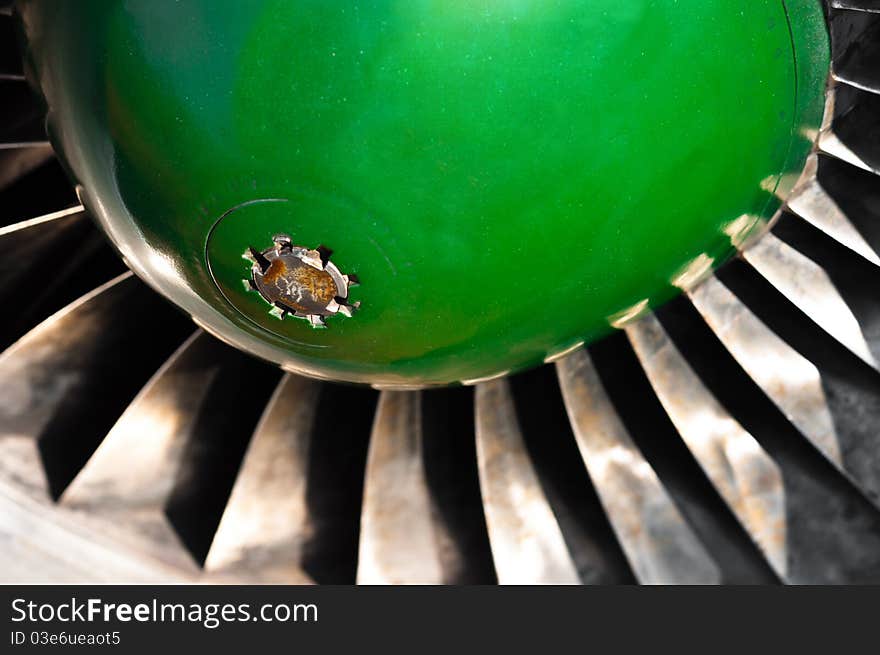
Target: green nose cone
x: 410, y: 192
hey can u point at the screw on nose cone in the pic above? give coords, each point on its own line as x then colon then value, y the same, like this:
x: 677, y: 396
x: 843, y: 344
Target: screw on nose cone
x: 299, y: 282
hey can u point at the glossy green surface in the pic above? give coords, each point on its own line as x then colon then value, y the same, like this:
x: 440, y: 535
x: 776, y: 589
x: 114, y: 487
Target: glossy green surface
x: 502, y: 175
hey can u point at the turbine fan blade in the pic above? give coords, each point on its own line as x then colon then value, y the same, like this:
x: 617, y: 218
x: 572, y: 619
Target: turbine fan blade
x: 527, y: 544
x: 398, y: 544
x: 808, y: 286
x: 658, y: 543
x: 266, y: 524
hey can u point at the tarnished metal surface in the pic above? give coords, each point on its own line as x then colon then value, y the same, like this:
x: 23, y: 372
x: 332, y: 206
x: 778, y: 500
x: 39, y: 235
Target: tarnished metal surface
x: 806, y: 285
x: 742, y: 472
x: 46, y: 544
x: 658, y: 543
x: 68, y: 371
x: 47, y: 262
x: 398, y: 542
x: 266, y: 522
x: 815, y: 206
x: 790, y: 380
x: 851, y: 122
x: 152, y: 432
x: 527, y: 544
x: 831, y: 144
x: 45, y: 369
x: 52, y: 368
x: 299, y: 282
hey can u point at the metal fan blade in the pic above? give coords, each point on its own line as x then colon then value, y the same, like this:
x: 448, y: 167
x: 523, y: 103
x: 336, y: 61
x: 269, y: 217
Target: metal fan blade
x: 67, y: 371
x: 870, y: 6
x: 127, y: 482
x: 812, y: 203
x: 32, y: 245
x: 48, y: 262
x: 745, y: 476
x: 24, y: 136
x: 790, y: 380
x: 216, y: 439
x: 22, y: 229
x: 398, y: 544
x: 853, y: 135
x: 796, y: 386
x: 808, y: 286
x: 266, y: 523
x: 658, y: 543
x: 23, y: 412
x: 811, y: 523
x: 655, y: 435
x: 831, y: 144
x: 856, y: 193
x: 44, y: 544
x: 450, y: 461
x: 527, y: 544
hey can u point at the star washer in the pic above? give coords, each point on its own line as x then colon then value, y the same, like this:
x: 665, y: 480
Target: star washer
x: 299, y: 282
